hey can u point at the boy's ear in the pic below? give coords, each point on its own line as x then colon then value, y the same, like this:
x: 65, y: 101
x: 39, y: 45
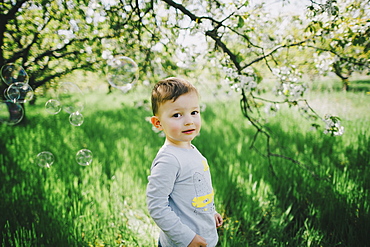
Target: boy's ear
x: 156, y: 123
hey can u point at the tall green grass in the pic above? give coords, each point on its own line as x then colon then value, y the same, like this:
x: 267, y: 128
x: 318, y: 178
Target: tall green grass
x: 104, y: 204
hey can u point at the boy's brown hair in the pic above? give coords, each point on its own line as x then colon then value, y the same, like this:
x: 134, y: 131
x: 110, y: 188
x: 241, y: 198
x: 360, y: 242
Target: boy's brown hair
x: 169, y: 89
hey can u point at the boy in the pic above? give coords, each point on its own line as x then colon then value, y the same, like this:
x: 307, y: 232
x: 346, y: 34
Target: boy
x: 179, y: 192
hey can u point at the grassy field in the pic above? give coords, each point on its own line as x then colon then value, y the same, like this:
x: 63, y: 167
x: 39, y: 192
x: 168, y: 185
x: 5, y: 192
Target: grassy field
x: 323, y: 202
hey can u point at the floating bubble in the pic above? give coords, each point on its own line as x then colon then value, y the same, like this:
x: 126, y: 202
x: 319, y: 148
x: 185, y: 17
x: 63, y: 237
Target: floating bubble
x: 84, y: 157
x: 53, y: 106
x: 76, y: 118
x: 11, y: 73
x: 122, y: 73
x: 44, y: 159
x: 71, y: 97
x: 19, y: 92
x: 11, y: 113
x: 12, y: 94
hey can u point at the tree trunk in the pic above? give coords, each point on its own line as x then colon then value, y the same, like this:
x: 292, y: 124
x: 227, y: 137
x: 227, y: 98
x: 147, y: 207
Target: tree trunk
x: 345, y: 86
x: 340, y: 73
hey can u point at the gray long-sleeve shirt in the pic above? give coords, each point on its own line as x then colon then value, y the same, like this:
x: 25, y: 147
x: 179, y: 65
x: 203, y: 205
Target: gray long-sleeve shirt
x: 180, y: 197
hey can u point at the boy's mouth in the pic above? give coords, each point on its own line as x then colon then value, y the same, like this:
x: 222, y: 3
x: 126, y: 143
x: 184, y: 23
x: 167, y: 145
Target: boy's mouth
x: 188, y: 131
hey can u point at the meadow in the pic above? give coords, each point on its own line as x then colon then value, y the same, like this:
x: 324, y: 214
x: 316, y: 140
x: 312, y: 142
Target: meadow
x: 321, y: 201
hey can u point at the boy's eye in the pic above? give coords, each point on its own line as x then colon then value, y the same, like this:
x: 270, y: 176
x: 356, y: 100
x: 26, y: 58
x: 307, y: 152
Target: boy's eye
x: 194, y: 112
x: 176, y: 115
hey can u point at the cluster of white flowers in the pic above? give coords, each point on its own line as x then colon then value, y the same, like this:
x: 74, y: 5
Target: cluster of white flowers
x: 230, y: 73
x: 287, y: 74
x: 290, y: 90
x: 333, y: 126
x: 248, y: 83
x: 237, y: 82
x: 288, y: 85
x: 324, y: 61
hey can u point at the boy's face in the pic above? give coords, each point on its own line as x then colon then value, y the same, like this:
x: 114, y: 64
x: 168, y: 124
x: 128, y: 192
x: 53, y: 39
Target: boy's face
x: 180, y: 120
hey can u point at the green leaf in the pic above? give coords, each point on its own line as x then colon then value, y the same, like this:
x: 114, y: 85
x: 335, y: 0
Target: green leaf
x: 240, y: 22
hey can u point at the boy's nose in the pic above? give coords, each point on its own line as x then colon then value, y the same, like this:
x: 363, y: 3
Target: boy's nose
x: 188, y: 121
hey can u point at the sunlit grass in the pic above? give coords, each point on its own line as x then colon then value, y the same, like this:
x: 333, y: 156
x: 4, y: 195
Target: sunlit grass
x: 323, y: 203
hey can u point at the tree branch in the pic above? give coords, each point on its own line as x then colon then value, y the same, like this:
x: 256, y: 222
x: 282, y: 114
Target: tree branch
x: 265, y: 55
x: 214, y: 35
x: 182, y: 9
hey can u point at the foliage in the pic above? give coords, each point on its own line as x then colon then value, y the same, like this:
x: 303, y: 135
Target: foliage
x: 341, y: 29
x: 51, y: 39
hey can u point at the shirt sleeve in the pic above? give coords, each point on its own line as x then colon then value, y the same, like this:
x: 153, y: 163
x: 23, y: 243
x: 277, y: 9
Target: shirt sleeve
x: 163, y: 175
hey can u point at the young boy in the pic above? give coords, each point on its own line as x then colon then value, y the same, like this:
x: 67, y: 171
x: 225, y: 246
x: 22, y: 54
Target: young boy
x: 179, y: 192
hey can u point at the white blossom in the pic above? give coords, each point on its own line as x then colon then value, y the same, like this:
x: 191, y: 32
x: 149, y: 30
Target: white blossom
x: 290, y: 90
x: 333, y: 126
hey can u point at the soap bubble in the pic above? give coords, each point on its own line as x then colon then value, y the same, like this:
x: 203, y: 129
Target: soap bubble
x: 76, y: 118
x: 19, y: 92
x: 11, y: 113
x: 53, y: 106
x: 44, y: 159
x: 11, y: 73
x: 84, y: 157
x: 12, y: 94
x: 122, y: 73
x: 71, y: 97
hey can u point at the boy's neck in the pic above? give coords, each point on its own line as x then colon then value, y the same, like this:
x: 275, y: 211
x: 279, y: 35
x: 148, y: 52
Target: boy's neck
x: 186, y: 145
